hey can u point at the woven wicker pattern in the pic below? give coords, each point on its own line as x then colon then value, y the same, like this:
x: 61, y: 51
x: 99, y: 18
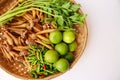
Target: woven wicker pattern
x: 18, y: 69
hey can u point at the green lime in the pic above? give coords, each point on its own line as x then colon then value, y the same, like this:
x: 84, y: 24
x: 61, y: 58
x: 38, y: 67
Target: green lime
x: 72, y: 46
x: 62, y: 48
x: 51, y: 56
x: 69, y: 56
x: 68, y: 36
x: 62, y: 65
x: 55, y: 37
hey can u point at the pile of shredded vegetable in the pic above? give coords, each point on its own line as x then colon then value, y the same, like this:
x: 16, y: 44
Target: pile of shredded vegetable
x: 25, y: 28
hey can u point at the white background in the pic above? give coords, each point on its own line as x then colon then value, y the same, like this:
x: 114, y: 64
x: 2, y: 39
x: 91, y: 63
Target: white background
x: 101, y: 58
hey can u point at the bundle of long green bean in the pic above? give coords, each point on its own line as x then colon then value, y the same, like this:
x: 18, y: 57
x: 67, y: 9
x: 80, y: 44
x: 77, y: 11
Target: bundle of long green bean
x: 40, y: 68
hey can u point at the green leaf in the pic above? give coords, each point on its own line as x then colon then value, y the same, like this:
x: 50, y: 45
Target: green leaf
x: 65, y: 11
x: 56, y: 12
x: 78, y: 18
x: 69, y: 23
x: 61, y: 2
x: 83, y: 17
x: 60, y: 20
x: 66, y: 5
x: 75, y: 7
x: 74, y: 17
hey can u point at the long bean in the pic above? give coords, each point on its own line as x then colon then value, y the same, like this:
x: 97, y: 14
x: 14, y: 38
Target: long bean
x: 35, y: 58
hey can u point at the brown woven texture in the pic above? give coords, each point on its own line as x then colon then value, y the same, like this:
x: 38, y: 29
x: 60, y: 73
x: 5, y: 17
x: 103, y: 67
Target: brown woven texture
x: 18, y: 70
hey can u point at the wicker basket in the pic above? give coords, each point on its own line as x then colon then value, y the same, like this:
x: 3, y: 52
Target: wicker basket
x: 17, y: 70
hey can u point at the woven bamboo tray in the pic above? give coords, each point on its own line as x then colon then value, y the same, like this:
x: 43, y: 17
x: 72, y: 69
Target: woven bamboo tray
x: 17, y: 70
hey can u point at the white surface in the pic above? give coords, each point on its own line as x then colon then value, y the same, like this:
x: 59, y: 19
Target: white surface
x: 101, y: 59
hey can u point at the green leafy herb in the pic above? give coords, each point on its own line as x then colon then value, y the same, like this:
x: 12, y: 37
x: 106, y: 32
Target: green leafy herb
x: 75, y: 7
x: 63, y: 12
x: 77, y: 18
x: 67, y: 5
x: 60, y: 20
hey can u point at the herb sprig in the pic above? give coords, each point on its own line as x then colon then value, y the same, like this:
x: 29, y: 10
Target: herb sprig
x: 64, y: 12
